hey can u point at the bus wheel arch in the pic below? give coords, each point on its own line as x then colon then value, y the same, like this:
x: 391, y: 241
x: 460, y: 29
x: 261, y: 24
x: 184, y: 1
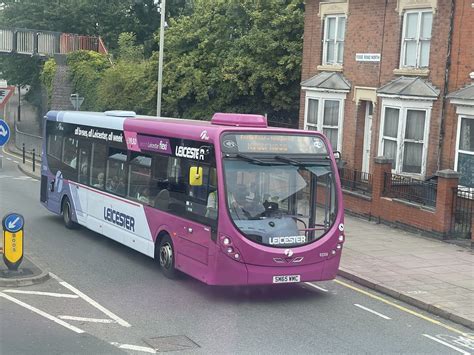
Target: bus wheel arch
x: 66, y: 212
x: 165, y: 255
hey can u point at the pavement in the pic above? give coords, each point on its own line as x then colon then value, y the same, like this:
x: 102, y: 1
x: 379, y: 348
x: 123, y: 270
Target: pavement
x: 425, y: 272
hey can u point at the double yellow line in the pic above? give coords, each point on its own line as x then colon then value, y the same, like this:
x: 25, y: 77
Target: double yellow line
x: 404, y: 309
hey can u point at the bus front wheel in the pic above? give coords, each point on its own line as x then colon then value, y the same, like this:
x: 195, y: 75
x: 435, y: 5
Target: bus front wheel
x: 66, y: 210
x: 166, y: 257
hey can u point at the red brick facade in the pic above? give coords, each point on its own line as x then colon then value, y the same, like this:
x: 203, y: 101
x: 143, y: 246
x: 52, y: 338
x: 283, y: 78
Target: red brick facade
x: 375, y: 26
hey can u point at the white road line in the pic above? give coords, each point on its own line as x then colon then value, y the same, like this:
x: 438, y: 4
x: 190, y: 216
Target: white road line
x: 16, y: 162
x: 41, y: 313
x: 447, y: 344
x: 84, y: 319
x: 9, y: 158
x: 91, y: 301
x: 39, y: 293
x: 134, y: 347
x: 5, y: 176
x: 372, y: 311
x: 317, y: 287
x: 22, y: 178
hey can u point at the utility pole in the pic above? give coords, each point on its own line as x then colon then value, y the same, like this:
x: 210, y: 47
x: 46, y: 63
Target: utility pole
x: 19, y: 102
x: 160, y: 60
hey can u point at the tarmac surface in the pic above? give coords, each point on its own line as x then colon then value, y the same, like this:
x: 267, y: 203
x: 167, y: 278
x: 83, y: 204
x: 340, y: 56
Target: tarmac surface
x: 425, y: 272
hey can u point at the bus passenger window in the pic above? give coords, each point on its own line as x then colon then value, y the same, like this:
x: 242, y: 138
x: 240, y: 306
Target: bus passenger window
x: 54, y: 146
x: 70, y: 152
x: 139, y: 178
x: 116, y: 171
x: 99, y: 155
x: 84, y: 166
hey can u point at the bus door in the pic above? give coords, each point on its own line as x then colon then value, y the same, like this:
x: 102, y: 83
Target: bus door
x: 83, y: 177
x: 195, y: 230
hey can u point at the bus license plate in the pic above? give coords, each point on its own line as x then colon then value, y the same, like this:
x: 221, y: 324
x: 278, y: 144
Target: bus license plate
x: 286, y: 279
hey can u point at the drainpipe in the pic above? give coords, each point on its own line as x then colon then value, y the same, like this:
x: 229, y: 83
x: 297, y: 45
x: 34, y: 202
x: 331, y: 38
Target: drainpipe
x: 445, y: 89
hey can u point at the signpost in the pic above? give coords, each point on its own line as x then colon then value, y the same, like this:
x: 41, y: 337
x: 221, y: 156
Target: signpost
x: 76, y: 101
x: 4, y: 133
x: 12, y: 225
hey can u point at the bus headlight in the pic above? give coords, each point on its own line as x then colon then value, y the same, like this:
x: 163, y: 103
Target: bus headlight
x: 230, y: 250
x: 226, y: 241
x: 236, y: 256
x: 333, y: 252
x: 341, y: 238
x: 339, y: 247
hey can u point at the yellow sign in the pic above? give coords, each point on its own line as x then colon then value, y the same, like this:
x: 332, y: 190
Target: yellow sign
x: 13, y: 246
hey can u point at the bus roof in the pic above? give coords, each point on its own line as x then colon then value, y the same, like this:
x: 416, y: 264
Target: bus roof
x: 152, y: 125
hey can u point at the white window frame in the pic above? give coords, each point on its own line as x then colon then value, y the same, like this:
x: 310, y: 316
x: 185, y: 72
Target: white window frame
x: 403, y: 106
x: 322, y: 97
x: 326, y: 41
x: 417, y: 39
x: 458, y: 137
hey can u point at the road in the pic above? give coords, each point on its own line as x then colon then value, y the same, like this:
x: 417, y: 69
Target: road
x: 120, y: 302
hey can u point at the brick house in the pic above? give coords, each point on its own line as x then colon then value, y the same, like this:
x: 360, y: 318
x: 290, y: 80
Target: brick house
x: 392, y: 78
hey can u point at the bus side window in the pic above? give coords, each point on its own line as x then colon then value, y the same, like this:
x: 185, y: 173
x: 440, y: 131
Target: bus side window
x: 84, y: 162
x: 139, y: 178
x: 54, y: 147
x: 99, y: 156
x: 117, y: 171
x: 160, y: 182
x: 69, y: 156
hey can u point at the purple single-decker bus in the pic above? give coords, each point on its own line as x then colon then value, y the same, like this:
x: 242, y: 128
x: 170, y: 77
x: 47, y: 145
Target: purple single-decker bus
x: 229, y: 202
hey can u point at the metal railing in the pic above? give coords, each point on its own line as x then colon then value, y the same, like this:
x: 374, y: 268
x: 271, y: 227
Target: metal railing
x: 27, y: 140
x: 463, y: 207
x: 357, y: 181
x: 409, y: 189
x: 46, y: 43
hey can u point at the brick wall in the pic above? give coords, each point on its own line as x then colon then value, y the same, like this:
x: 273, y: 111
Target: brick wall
x: 462, y: 64
x: 375, y: 26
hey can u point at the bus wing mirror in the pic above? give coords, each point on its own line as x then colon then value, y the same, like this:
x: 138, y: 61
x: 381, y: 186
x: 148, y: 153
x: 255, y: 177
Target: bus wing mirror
x: 195, y: 176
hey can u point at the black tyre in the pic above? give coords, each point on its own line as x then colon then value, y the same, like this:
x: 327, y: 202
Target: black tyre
x: 166, y: 258
x: 67, y: 212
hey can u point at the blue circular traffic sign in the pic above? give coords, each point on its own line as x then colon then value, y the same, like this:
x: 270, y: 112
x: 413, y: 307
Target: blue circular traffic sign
x: 13, y: 222
x: 4, y: 132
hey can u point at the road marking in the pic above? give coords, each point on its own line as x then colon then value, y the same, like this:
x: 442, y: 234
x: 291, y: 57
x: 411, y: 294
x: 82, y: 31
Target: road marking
x: 84, y: 319
x: 91, y: 301
x: 404, y: 309
x: 12, y: 155
x: 5, y: 176
x: 16, y: 162
x: 22, y: 178
x: 9, y: 158
x: 317, y: 287
x: 39, y: 293
x: 372, y: 311
x: 41, y: 313
x: 134, y: 347
x: 447, y: 344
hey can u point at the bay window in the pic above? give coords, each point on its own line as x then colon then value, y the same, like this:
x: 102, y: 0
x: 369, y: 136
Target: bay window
x: 464, y: 160
x: 324, y: 113
x: 404, y: 135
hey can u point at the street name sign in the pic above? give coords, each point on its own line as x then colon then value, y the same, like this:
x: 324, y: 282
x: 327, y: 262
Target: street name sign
x: 12, y: 225
x: 367, y: 57
x: 4, y: 132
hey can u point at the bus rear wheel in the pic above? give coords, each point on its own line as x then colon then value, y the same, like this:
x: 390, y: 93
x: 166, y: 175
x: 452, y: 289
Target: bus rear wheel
x: 166, y: 258
x: 66, y: 211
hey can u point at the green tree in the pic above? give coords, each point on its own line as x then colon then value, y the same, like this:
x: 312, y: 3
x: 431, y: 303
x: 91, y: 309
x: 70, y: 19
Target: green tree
x: 241, y: 56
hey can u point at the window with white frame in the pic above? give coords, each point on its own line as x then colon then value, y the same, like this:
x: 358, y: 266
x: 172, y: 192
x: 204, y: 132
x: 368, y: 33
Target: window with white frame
x: 464, y: 163
x: 404, y: 135
x: 324, y: 114
x: 334, y: 33
x: 416, y: 39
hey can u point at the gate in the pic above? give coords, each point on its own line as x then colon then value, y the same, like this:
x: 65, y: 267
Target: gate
x: 463, y: 206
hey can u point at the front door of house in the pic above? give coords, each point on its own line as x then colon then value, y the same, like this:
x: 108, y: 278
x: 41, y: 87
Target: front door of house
x: 369, y: 108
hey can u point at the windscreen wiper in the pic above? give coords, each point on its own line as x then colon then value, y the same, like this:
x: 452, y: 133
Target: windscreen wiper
x: 250, y: 159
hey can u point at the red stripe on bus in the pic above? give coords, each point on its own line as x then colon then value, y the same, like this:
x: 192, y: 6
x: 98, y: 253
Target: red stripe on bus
x: 103, y: 193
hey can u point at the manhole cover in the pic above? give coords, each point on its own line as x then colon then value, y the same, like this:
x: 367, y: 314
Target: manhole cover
x: 171, y: 343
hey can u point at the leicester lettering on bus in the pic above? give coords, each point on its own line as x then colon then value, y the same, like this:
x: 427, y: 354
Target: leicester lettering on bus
x: 120, y: 219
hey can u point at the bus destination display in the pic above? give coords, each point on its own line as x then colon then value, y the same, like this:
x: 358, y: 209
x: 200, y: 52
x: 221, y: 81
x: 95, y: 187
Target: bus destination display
x: 273, y: 143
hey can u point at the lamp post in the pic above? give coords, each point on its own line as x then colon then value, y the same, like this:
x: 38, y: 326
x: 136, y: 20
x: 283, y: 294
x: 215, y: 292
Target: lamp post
x: 160, y: 60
